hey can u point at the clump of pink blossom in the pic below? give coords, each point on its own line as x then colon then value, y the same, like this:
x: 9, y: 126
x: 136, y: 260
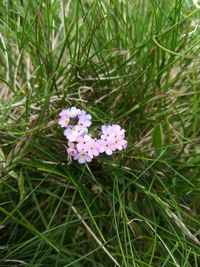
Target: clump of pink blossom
x: 81, y: 145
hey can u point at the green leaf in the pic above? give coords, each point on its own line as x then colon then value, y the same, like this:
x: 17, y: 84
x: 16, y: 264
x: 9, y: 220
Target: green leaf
x: 157, y: 139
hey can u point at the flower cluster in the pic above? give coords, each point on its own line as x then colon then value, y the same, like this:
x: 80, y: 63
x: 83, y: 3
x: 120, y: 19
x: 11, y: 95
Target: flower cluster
x: 81, y: 145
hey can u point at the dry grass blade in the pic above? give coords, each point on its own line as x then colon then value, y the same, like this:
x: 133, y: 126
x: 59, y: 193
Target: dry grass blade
x: 94, y: 236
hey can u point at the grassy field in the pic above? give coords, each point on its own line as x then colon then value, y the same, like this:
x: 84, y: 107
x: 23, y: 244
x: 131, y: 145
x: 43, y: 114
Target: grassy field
x: 134, y: 63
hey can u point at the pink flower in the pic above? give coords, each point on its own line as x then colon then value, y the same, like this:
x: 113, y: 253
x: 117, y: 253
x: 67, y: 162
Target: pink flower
x: 113, y: 139
x: 111, y: 131
x: 118, y: 131
x: 64, y: 112
x: 72, y: 134
x: 119, y: 143
x: 83, y: 157
x: 92, y: 148
x: 88, y: 145
x: 74, y: 112
x: 70, y: 112
x: 82, y: 143
x: 64, y: 120
x: 106, y: 146
x: 71, y: 150
x: 81, y: 146
x: 84, y: 120
x: 76, y: 122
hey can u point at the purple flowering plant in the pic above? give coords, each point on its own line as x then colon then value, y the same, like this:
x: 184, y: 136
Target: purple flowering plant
x: 81, y: 146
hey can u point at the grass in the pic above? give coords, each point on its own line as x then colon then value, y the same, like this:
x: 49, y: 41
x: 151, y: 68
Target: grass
x: 135, y: 63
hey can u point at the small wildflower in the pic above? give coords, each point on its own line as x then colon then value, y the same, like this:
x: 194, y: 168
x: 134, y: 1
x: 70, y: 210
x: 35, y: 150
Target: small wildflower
x: 82, y: 143
x: 113, y: 138
x: 88, y: 145
x: 84, y: 120
x: 106, y: 146
x: 73, y: 112
x: 92, y: 148
x: 64, y: 112
x: 71, y: 150
x: 83, y: 157
x: 83, y: 147
x: 72, y: 134
x: 64, y: 121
